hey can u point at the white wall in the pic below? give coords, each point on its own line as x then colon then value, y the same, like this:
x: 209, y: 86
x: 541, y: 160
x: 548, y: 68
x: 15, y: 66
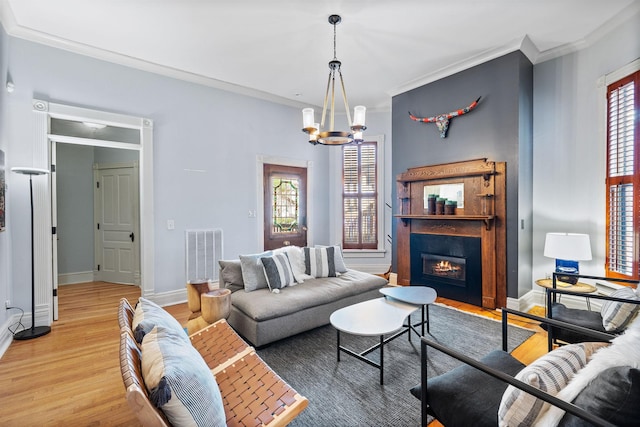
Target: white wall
x: 569, y: 143
x: 206, y: 142
x: 205, y: 149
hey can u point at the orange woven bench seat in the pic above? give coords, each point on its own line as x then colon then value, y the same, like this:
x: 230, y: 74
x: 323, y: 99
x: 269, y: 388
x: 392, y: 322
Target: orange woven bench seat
x: 252, y: 393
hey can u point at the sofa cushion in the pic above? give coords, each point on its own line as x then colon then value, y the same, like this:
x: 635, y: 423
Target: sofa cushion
x: 179, y: 381
x: 252, y: 271
x: 296, y: 258
x: 616, y: 315
x: 148, y: 314
x: 465, y: 393
x: 263, y: 305
x: 337, y: 257
x: 320, y: 262
x: 612, y: 395
x: 231, y: 272
x: 278, y: 272
x: 549, y: 373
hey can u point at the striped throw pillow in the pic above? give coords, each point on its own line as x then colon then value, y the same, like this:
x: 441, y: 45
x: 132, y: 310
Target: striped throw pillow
x: 179, y: 381
x: 320, y: 262
x: 550, y: 373
x: 616, y: 315
x: 278, y: 271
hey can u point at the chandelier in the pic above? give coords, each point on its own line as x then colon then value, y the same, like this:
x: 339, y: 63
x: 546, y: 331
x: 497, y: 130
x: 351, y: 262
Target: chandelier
x: 331, y: 136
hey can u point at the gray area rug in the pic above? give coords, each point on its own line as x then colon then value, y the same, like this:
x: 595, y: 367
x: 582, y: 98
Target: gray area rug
x: 348, y: 393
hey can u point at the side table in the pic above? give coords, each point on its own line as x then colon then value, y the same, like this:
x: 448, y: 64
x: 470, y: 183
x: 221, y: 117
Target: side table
x: 578, y: 288
x: 216, y: 305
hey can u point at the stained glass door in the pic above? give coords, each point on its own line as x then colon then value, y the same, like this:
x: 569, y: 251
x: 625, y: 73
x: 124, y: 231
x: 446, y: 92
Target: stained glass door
x: 285, y: 199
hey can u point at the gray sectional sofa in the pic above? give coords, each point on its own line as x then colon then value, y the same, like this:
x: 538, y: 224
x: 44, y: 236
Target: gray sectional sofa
x: 262, y: 316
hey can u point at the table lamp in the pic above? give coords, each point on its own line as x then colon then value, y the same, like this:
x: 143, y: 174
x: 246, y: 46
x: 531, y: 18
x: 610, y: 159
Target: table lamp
x: 568, y: 249
x: 34, y: 331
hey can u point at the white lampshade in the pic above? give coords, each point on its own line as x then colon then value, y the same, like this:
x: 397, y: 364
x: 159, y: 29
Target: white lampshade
x: 307, y: 118
x: 359, y: 113
x: 568, y: 246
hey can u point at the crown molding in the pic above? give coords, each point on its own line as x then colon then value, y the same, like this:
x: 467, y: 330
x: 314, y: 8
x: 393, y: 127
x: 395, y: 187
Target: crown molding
x: 13, y: 29
x: 465, y: 64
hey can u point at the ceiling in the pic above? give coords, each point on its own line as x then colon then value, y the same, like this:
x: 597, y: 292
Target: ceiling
x: 279, y: 49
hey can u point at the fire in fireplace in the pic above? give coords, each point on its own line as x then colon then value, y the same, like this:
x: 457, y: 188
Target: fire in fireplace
x: 452, y: 265
x: 444, y: 266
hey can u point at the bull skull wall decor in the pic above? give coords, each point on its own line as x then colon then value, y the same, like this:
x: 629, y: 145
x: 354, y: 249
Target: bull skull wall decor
x: 442, y: 120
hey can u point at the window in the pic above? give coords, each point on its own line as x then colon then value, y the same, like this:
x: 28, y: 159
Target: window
x: 623, y: 177
x: 360, y: 196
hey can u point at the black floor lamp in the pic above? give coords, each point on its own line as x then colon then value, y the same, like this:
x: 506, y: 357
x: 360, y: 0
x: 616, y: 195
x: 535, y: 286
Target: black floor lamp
x: 33, y: 331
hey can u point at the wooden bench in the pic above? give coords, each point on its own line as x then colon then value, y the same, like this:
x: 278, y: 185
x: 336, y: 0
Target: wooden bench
x: 252, y: 393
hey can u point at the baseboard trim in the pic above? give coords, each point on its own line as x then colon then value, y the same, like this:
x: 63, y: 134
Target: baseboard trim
x: 169, y: 298
x: 6, y: 337
x: 73, y: 278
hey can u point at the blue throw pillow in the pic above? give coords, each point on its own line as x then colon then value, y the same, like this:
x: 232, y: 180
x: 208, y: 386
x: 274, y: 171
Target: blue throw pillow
x: 252, y: 271
x: 148, y: 314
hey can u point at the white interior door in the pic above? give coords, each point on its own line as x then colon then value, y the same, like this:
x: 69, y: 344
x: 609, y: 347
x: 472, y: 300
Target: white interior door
x: 116, y: 195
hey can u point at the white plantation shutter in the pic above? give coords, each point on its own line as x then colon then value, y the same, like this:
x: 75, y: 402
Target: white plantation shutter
x: 623, y: 182
x: 360, y: 196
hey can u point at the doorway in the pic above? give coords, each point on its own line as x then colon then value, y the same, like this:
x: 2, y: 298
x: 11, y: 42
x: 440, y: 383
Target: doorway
x: 285, y: 206
x: 99, y: 130
x: 87, y: 209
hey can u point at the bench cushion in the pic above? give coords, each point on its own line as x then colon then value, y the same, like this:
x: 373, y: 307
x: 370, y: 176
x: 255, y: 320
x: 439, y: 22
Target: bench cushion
x: 261, y: 305
x: 585, y: 318
x: 465, y: 393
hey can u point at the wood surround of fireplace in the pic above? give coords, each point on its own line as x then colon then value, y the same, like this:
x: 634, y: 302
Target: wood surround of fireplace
x: 483, y: 216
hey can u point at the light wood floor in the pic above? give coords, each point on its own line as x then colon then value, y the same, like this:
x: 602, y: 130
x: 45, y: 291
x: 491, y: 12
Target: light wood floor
x: 71, y: 377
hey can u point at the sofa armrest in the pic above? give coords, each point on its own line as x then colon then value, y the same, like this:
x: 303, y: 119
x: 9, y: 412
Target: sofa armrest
x: 566, y: 406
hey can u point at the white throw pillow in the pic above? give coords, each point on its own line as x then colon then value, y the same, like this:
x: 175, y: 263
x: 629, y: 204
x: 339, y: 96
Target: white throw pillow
x: 296, y: 258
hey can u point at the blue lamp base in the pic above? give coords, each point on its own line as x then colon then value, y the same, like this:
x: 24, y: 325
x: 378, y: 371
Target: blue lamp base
x: 567, y: 266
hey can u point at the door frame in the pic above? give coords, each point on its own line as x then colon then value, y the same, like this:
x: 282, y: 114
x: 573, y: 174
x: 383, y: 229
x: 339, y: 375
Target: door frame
x: 97, y: 205
x: 44, y: 141
x: 260, y: 162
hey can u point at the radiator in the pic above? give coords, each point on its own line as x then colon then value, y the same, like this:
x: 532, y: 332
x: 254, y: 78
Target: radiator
x: 203, y: 251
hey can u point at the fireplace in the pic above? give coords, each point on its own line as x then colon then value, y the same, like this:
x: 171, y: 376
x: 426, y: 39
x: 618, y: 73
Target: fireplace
x: 460, y: 253
x: 452, y: 265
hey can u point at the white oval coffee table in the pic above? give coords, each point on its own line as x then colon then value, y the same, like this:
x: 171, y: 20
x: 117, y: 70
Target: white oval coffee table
x: 380, y: 317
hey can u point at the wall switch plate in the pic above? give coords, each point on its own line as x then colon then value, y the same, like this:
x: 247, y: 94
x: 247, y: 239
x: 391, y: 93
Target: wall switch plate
x: 171, y: 225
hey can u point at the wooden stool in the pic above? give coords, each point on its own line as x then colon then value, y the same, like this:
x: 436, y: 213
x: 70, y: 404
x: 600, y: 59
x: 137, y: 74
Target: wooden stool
x: 215, y: 305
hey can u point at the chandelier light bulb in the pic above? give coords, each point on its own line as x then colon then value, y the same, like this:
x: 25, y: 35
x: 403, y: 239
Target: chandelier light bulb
x: 359, y: 115
x: 307, y: 118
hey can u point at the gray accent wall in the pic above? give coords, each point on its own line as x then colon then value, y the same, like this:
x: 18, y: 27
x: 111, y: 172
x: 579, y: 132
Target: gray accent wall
x: 499, y: 129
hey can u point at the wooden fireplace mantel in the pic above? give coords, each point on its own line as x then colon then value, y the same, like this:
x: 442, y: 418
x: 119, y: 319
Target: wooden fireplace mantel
x: 483, y: 216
